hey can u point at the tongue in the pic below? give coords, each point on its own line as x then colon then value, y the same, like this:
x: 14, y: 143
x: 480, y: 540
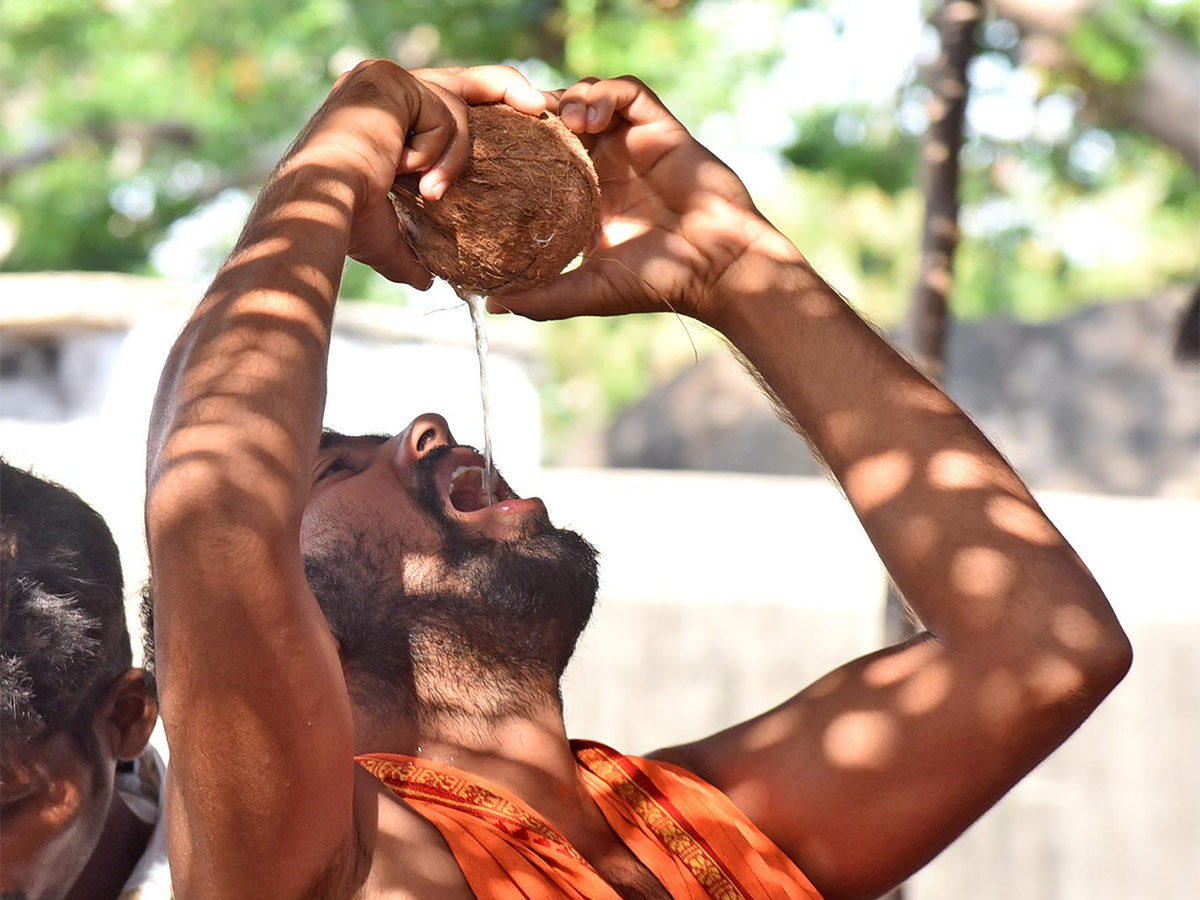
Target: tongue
x: 466, y: 489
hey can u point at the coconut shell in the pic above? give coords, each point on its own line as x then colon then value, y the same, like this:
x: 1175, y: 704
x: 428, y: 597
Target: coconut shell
x: 527, y: 204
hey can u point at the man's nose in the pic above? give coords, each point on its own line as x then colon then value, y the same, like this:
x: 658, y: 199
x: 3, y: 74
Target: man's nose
x: 423, y: 435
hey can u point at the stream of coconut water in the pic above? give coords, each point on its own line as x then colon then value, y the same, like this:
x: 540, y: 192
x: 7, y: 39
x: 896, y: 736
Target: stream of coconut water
x: 477, y: 304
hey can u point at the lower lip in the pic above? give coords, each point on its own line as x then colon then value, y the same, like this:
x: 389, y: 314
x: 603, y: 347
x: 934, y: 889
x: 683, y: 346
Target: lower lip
x: 514, y: 507
x: 525, y: 504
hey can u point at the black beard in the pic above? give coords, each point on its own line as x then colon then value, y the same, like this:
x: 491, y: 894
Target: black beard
x: 493, y: 645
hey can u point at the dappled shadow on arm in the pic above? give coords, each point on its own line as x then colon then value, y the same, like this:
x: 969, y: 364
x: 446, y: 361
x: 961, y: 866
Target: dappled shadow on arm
x: 868, y: 773
x: 253, y: 698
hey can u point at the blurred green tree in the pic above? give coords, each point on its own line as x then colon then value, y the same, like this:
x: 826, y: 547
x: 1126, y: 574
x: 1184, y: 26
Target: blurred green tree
x: 125, y: 123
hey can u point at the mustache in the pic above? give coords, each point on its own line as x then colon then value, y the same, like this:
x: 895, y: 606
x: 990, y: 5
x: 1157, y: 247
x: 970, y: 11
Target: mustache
x: 429, y: 496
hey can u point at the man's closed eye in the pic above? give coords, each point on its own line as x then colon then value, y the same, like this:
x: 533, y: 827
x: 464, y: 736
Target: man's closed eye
x: 337, y: 464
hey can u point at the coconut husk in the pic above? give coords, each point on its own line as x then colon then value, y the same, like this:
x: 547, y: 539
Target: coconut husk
x: 527, y: 204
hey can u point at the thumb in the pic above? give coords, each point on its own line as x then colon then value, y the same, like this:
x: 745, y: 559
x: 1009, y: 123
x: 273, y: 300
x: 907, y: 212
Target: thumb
x: 581, y: 292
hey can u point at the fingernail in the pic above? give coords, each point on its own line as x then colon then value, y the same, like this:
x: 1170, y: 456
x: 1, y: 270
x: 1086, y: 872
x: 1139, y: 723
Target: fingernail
x: 433, y: 186
x: 497, y: 309
x: 593, y: 116
x: 570, y: 108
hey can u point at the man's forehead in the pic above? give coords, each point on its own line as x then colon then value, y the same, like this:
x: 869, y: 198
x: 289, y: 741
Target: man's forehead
x: 335, y: 440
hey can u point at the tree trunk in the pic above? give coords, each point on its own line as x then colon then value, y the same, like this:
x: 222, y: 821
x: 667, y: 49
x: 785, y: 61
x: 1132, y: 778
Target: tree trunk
x: 1163, y: 101
x: 947, y: 107
x: 927, y: 317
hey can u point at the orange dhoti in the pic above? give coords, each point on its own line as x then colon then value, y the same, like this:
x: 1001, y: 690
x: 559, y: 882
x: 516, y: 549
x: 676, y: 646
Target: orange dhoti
x: 686, y: 832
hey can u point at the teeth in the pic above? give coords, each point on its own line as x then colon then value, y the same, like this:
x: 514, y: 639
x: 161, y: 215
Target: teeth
x: 493, y: 483
x: 461, y: 470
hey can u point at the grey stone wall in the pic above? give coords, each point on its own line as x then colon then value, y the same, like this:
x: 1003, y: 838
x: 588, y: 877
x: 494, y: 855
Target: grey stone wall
x: 1092, y: 402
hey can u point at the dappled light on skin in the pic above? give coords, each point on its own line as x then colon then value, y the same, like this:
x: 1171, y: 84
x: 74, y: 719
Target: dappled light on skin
x: 926, y: 690
x: 759, y: 276
x: 920, y: 537
x: 278, y: 304
x: 956, y: 470
x: 424, y: 572
x: 619, y: 231
x: 999, y: 702
x: 275, y: 246
x: 982, y: 572
x: 846, y: 426
x: 918, y: 397
x: 1077, y: 629
x: 194, y: 453
x: 63, y: 799
x: 827, y: 685
x: 770, y: 732
x: 861, y: 739
x: 1053, y: 678
x: 1022, y: 520
x: 983, y: 576
x: 880, y: 478
x: 893, y: 668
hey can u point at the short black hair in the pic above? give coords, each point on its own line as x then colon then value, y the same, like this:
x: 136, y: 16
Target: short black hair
x: 146, y: 618
x: 63, y: 636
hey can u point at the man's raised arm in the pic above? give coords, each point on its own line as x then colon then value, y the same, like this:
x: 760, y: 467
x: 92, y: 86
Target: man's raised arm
x: 868, y: 773
x: 253, y: 696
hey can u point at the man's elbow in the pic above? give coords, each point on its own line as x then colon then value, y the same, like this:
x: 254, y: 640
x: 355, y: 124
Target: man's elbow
x: 1111, y: 660
x: 1080, y: 655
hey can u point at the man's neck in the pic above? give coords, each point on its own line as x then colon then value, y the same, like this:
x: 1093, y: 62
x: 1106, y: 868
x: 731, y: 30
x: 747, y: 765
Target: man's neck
x: 529, y: 755
x: 121, y: 845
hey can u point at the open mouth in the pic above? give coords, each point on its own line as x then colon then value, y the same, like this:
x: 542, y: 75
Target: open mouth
x: 471, y: 490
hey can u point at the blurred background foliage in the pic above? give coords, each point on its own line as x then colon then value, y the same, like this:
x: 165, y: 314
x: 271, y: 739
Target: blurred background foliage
x: 135, y: 133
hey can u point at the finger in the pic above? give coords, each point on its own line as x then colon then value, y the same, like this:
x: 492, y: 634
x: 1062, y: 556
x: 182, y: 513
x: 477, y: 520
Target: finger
x: 572, y: 105
x: 488, y: 84
x: 379, y: 243
x: 456, y: 153
x: 592, y: 104
x: 432, y: 128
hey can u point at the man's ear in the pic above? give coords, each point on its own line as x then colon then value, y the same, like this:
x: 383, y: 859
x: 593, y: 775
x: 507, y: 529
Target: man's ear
x: 128, y: 715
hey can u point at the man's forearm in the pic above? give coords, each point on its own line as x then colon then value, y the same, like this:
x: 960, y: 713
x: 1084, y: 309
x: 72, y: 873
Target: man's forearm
x: 955, y: 526
x: 241, y: 397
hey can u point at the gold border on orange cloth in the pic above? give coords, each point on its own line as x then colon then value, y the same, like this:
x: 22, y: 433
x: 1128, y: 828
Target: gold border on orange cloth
x: 662, y: 817
x: 409, y: 779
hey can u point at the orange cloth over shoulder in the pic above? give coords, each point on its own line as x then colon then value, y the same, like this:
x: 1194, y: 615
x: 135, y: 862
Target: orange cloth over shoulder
x: 686, y: 832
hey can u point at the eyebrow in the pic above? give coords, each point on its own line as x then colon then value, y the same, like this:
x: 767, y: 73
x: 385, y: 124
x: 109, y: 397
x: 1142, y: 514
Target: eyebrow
x: 331, y: 439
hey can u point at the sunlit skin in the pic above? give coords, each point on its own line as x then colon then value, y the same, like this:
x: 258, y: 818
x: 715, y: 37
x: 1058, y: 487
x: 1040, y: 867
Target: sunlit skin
x: 65, y: 833
x: 860, y: 778
x: 53, y: 810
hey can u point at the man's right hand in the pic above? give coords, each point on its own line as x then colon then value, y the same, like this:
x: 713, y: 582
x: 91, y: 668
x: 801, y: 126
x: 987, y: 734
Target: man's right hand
x: 380, y: 121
